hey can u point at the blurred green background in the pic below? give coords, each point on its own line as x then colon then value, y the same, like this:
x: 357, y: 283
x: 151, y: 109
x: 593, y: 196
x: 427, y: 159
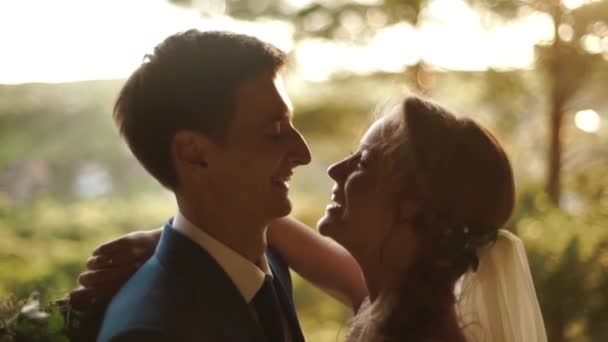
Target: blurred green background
x: 535, y: 72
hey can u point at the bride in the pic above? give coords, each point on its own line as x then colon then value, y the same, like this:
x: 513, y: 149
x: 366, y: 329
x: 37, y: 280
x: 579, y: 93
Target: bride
x: 419, y: 206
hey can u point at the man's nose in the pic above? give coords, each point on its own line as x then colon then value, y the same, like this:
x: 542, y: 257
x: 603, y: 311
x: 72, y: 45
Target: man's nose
x: 301, y: 152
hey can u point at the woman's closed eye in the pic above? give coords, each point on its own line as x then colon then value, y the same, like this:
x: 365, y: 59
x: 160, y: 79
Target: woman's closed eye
x: 358, y: 160
x: 363, y: 161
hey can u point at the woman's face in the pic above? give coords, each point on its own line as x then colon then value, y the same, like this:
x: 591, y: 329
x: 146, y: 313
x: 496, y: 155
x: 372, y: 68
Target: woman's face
x: 362, y: 213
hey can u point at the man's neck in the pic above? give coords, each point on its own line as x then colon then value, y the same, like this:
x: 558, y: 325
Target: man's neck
x: 246, y: 238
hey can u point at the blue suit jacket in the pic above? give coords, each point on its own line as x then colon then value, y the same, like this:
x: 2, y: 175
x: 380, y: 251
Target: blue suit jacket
x: 182, y: 294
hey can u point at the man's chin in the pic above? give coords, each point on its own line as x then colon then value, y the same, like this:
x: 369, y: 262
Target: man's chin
x: 282, y: 209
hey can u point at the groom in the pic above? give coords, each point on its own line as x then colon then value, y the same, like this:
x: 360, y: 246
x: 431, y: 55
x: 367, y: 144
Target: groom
x: 207, y: 115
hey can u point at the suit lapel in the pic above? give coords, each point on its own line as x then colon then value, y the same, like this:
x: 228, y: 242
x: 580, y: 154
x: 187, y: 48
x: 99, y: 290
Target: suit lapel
x: 281, y: 282
x: 216, y: 296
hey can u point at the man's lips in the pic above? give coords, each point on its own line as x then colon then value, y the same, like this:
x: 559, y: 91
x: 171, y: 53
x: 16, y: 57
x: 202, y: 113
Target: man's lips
x: 282, y: 181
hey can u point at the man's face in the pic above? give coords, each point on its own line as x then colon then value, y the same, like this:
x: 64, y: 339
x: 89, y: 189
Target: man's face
x: 249, y: 174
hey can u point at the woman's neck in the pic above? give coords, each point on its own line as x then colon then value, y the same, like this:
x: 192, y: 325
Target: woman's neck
x: 376, y: 278
x: 381, y: 277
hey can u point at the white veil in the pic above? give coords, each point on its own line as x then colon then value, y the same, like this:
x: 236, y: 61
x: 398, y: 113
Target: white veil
x: 498, y: 302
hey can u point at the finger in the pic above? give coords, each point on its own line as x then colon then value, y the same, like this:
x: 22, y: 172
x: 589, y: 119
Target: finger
x: 96, y: 262
x: 82, y: 297
x: 126, y: 258
x: 96, y: 278
x: 113, y: 247
x: 89, y: 278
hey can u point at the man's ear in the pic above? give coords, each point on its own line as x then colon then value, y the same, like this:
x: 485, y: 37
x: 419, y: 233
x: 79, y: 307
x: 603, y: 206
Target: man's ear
x: 190, y: 148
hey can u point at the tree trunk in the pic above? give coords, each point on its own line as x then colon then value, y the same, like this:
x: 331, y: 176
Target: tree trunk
x: 555, y: 333
x: 555, y: 150
x: 556, y: 113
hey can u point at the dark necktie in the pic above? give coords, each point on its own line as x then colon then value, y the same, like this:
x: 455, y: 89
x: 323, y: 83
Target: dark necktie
x: 266, y: 304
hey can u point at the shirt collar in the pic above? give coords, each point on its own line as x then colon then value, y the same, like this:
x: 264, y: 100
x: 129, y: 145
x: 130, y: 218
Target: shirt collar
x: 246, y: 276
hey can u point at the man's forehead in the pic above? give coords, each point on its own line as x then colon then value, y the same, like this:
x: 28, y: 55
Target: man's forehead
x: 263, y: 98
x: 279, y: 106
x: 279, y: 83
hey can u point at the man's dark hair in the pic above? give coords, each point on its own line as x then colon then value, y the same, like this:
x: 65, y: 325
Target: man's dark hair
x: 187, y: 83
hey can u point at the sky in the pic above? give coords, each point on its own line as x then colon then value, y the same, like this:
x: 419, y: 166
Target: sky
x: 72, y: 40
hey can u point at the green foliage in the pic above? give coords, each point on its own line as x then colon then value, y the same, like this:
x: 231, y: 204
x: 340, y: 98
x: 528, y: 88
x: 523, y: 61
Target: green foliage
x: 568, y: 254
x: 44, y: 245
x: 26, y: 321
x: 354, y: 21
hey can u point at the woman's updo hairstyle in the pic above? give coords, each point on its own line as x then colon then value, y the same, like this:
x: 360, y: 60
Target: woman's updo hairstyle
x: 460, y: 179
x: 454, y: 188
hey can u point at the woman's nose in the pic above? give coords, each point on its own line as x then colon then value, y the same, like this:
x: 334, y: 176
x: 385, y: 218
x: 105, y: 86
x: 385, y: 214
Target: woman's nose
x: 336, y: 170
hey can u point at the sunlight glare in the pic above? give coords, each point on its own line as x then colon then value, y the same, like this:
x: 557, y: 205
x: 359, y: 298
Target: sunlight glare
x: 63, y: 40
x: 587, y: 120
x: 571, y: 4
x: 451, y: 37
x: 318, y: 59
x: 73, y: 40
x: 592, y: 43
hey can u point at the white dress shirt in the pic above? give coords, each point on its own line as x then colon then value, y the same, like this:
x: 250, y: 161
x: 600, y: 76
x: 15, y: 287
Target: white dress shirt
x: 246, y: 276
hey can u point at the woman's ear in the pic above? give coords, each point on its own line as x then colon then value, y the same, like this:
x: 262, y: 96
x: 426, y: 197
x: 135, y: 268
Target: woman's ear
x: 189, y: 149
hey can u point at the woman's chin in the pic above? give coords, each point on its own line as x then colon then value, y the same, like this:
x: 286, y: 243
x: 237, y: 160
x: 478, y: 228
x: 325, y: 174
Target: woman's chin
x: 326, y: 225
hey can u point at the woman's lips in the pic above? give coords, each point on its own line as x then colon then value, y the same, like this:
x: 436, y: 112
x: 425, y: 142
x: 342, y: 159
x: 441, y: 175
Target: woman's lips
x: 334, y: 209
